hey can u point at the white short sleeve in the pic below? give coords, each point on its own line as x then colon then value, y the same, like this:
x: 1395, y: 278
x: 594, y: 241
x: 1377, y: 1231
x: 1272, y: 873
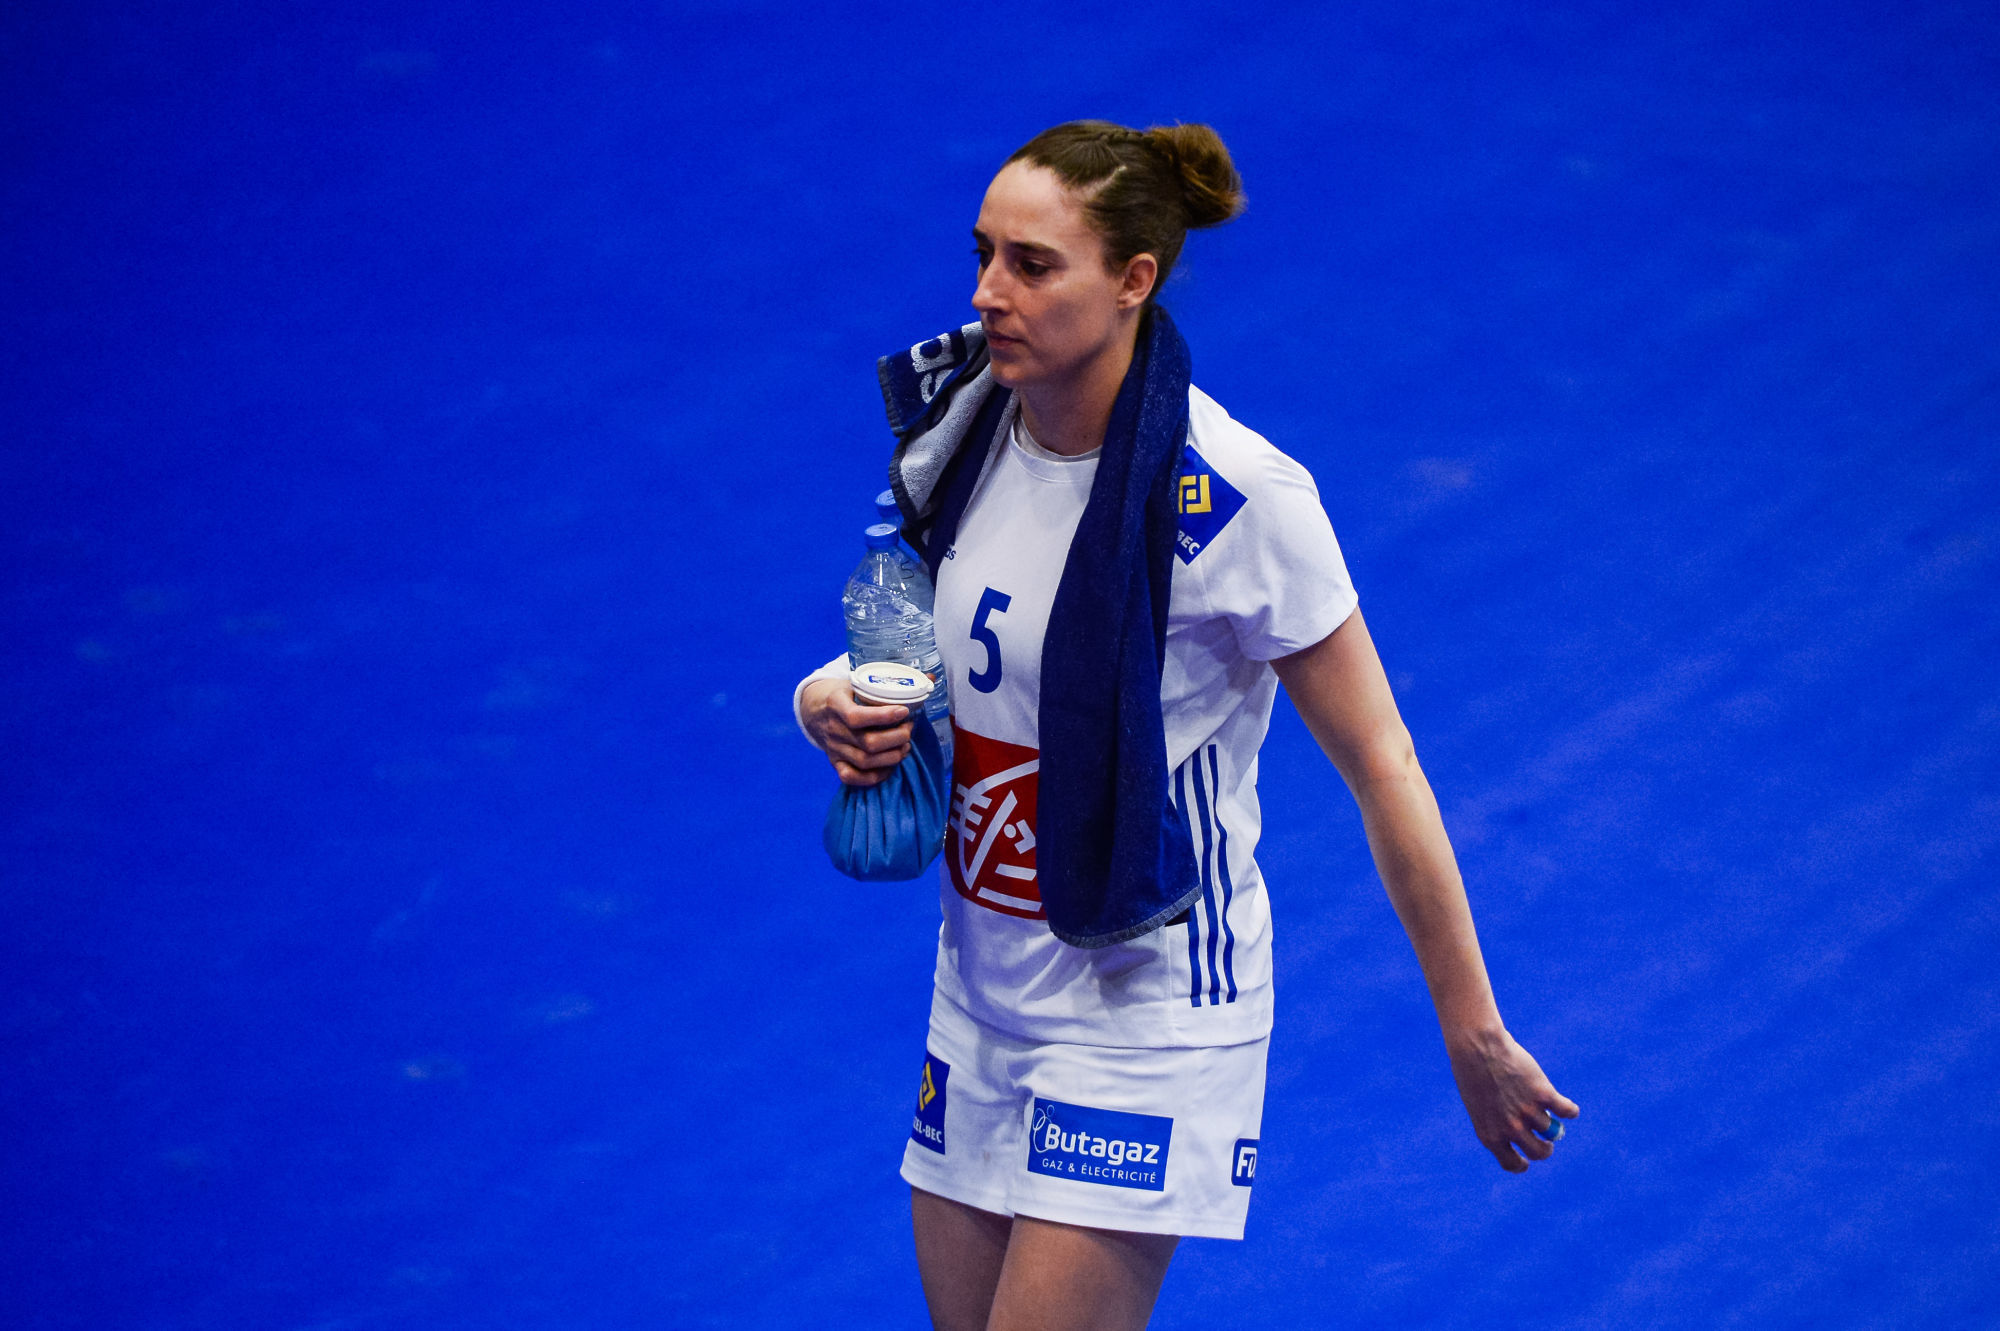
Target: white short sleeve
x: 1275, y: 571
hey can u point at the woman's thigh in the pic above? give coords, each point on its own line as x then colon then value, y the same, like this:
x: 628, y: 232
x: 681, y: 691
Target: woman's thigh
x: 1068, y: 1278
x: 986, y: 1272
x: 960, y: 1252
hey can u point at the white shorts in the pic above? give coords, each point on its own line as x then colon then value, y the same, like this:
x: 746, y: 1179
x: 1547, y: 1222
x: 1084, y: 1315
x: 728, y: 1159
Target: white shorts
x: 1152, y: 1141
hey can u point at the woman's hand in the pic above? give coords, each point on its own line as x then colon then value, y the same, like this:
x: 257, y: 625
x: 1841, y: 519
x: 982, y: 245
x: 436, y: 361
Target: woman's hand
x: 864, y: 743
x: 1507, y: 1096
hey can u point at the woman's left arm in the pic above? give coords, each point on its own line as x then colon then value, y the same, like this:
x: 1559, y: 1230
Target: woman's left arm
x: 1341, y: 693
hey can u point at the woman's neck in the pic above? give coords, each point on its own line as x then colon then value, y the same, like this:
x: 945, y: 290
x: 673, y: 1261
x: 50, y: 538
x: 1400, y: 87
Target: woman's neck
x: 1070, y: 417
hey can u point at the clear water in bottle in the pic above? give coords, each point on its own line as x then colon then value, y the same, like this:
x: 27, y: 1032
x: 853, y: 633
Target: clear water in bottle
x: 887, y: 511
x: 887, y: 604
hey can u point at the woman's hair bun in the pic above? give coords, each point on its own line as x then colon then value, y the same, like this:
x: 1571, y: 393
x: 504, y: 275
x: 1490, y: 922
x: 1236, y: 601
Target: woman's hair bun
x: 1141, y: 190
x: 1209, y: 183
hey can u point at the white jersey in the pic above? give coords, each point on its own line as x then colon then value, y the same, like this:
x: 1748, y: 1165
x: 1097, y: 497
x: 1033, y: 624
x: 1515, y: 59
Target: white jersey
x: 1258, y: 575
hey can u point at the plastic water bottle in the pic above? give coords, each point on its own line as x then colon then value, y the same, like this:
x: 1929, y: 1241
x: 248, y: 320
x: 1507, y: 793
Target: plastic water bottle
x: 886, y: 510
x: 887, y: 603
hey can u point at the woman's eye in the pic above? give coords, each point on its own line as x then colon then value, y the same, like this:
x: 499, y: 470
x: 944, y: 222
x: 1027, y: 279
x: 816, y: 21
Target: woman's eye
x: 1032, y: 268
x: 981, y: 257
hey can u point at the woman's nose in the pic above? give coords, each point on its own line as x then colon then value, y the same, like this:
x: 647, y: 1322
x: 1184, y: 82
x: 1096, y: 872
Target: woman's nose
x: 985, y: 293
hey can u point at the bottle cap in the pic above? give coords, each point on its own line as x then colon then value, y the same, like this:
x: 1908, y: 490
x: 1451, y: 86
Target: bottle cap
x: 888, y: 684
x: 881, y: 536
x: 885, y: 507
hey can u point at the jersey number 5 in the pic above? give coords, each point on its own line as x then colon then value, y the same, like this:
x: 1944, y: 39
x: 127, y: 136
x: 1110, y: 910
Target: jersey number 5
x: 990, y: 603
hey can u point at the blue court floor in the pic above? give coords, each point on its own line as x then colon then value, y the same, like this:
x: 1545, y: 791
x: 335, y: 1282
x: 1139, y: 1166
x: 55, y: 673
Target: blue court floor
x: 436, y: 435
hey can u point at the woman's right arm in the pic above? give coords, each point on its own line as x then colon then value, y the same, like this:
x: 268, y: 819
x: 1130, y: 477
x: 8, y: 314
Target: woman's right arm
x: 863, y: 743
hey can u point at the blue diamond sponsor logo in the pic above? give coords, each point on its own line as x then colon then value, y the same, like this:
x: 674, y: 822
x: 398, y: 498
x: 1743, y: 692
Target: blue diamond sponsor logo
x: 928, y: 1129
x: 1106, y: 1146
x: 1207, y: 503
x: 1243, y: 1170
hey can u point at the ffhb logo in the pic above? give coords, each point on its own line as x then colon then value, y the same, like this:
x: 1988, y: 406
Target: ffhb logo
x: 1243, y: 1172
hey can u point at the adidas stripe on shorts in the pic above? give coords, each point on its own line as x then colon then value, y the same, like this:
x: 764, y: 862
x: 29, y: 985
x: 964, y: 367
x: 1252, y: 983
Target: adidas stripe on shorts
x: 1153, y: 1141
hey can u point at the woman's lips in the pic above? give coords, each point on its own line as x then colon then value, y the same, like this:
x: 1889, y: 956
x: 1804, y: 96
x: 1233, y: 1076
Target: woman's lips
x: 1001, y: 340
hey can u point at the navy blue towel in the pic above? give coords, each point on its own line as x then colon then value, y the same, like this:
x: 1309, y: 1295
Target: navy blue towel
x: 1114, y: 855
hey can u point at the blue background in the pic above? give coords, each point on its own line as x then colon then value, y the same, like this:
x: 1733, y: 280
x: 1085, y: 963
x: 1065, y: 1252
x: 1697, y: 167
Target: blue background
x: 435, y: 435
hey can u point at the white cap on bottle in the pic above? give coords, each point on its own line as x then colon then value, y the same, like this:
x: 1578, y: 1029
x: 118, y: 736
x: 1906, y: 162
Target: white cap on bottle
x: 887, y: 684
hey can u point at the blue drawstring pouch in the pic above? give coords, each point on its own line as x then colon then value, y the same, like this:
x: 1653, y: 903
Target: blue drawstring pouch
x: 893, y: 829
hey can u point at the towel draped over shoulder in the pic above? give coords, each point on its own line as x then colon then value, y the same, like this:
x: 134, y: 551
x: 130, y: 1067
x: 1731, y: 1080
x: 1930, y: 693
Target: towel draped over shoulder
x: 1114, y: 853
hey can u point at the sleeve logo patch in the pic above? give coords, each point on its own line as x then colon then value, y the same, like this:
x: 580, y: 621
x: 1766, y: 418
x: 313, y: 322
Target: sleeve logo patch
x: 1108, y: 1146
x: 928, y: 1129
x: 1207, y: 503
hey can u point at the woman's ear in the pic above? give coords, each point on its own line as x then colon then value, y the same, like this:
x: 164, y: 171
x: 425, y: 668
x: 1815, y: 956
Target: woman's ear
x: 1141, y: 270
